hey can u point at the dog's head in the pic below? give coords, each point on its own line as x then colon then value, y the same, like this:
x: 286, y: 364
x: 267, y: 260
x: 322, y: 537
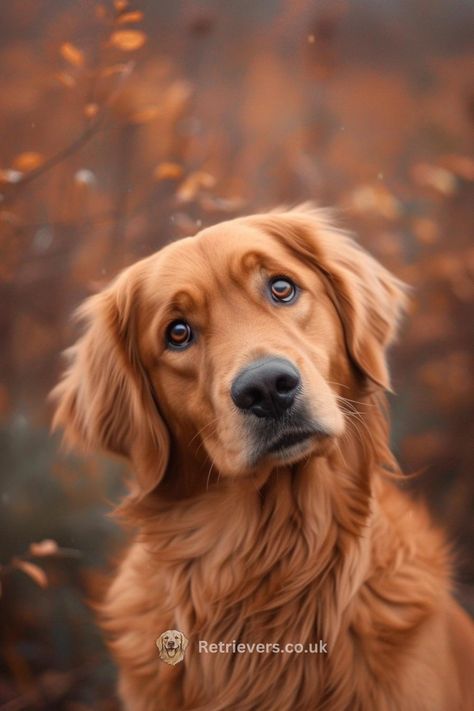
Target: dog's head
x: 241, y: 346
x: 171, y: 646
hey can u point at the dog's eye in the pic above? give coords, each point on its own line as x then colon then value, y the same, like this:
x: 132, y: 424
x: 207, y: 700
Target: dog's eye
x: 282, y: 289
x: 179, y: 334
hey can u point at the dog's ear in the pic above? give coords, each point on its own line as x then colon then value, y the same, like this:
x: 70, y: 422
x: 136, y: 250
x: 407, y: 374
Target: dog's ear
x: 105, y: 399
x: 184, y: 641
x: 159, y: 643
x: 367, y: 297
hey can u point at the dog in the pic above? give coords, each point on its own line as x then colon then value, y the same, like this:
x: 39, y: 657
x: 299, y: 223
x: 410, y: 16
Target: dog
x: 172, y: 646
x: 242, y: 374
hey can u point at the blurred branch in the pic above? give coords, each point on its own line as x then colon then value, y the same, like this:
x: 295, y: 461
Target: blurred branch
x: 91, y: 130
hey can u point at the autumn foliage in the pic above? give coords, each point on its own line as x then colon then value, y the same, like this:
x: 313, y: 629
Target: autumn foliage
x: 126, y: 125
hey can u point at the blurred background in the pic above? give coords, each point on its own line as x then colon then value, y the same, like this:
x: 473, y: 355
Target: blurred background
x: 125, y: 125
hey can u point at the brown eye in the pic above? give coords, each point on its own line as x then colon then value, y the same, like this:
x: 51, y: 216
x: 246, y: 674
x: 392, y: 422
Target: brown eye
x: 179, y: 334
x: 282, y: 290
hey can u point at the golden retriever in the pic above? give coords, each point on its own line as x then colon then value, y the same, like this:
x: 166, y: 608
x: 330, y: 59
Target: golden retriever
x: 172, y: 646
x: 241, y: 372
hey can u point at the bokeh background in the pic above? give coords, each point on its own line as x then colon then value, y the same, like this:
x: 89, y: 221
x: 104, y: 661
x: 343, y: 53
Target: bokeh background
x: 127, y: 125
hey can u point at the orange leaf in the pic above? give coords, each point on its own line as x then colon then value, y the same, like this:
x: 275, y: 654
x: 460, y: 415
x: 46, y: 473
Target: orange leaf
x: 100, y: 11
x: 66, y: 79
x: 128, y: 40
x: 72, y: 54
x: 376, y: 199
x: 29, y: 160
x: 43, y: 548
x: 432, y: 176
x: 463, y: 166
x: 90, y: 110
x: 193, y: 183
x: 135, y: 16
x: 145, y: 115
x: 167, y: 171
x: 33, y: 571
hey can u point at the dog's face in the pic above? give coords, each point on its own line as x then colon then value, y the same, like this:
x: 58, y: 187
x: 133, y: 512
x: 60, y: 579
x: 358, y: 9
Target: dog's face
x: 171, y: 645
x: 243, y: 349
x: 241, y: 342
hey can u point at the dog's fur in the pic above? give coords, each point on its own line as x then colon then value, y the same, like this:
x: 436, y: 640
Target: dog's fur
x: 237, y: 544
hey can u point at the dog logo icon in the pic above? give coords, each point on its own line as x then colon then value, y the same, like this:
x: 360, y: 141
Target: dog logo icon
x: 171, y: 646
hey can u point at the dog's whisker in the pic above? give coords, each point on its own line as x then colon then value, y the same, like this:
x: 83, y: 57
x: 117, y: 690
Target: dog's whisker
x: 200, y: 431
x: 358, y: 402
x: 352, y: 419
x: 209, y: 475
x: 333, y: 382
x: 202, y: 442
x: 341, y: 453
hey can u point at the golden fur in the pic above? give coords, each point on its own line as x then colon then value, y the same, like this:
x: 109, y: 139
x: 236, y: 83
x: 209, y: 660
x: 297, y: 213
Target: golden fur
x: 319, y: 545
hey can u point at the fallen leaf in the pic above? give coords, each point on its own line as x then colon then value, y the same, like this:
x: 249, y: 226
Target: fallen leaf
x: 128, y: 40
x: 72, y: 54
x: 44, y: 548
x: 33, y: 571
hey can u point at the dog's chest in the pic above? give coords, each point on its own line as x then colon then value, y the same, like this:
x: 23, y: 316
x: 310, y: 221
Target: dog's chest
x: 263, y: 591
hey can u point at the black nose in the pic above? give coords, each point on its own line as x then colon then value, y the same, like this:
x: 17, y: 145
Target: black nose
x: 266, y: 388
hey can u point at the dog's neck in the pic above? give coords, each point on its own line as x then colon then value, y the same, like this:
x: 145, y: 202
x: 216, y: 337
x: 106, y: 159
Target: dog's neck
x: 301, y: 521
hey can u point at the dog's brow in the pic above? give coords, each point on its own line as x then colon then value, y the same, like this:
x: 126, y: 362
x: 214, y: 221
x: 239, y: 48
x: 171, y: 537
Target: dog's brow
x: 242, y: 264
x: 187, y: 300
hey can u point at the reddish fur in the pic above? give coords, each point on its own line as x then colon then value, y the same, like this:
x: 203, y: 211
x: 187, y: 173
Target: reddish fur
x: 325, y: 548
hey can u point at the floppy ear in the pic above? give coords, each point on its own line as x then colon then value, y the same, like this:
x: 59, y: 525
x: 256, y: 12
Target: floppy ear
x: 367, y: 297
x: 105, y: 400
x: 159, y: 643
x: 184, y: 642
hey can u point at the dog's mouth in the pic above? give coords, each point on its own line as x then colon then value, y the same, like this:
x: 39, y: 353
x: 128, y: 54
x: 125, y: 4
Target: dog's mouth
x: 289, y: 440
x: 171, y: 649
x: 290, y: 444
x: 286, y: 439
